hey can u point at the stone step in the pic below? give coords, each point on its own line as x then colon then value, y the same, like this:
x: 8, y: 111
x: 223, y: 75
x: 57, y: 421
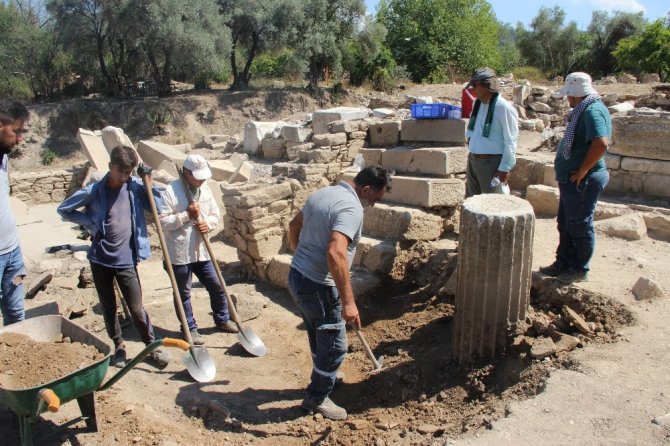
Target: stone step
x: 376, y: 255
x: 434, y: 130
x: 393, y: 222
x: 437, y: 161
x: 321, y: 118
x: 422, y: 192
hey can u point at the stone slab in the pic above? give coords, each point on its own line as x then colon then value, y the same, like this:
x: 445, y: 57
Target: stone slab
x: 613, y: 161
x: 322, y: 118
x: 642, y: 136
x: 544, y: 199
x: 222, y: 170
x: 375, y: 255
x: 153, y: 153
x: 255, y: 132
x: 550, y: 176
x: 440, y: 161
x: 628, y: 227
x: 115, y: 136
x: 434, y: 130
x: 329, y: 139
x: 638, y: 183
x: 529, y: 169
x: 658, y: 224
x: 645, y: 165
x: 295, y: 133
x: 385, y: 134
x: 372, y: 157
x: 401, y: 223
x: 94, y: 149
x: 242, y: 173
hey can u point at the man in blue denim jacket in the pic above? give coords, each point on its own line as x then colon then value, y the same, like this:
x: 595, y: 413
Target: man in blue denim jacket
x: 324, y: 235
x: 114, y: 217
x: 13, y: 116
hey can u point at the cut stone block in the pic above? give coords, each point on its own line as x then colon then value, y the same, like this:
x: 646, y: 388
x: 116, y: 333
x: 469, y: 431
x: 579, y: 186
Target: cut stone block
x: 613, y: 161
x: 330, y: 139
x: 266, y: 245
x: 385, y: 134
x: 113, y: 137
x: 273, y: 148
x: 529, y: 169
x: 255, y: 132
x: 440, y: 161
x: 494, y: 273
x: 222, y: 170
x: 256, y: 195
x: 627, y: 182
x: 344, y: 127
x: 622, y: 108
x: 320, y: 156
x: 544, y: 199
x: 401, y: 223
x: 242, y: 173
x: 434, y: 130
x: 278, y: 270
x: 372, y: 157
x: 364, y: 282
x: 645, y: 165
x: 94, y: 149
x: 658, y: 224
x: 295, y: 133
x: 376, y: 255
x: 550, y: 176
x: 383, y: 112
x: 322, y: 118
x: 642, y: 136
x: 153, y: 153
x: 422, y: 192
x: 628, y: 227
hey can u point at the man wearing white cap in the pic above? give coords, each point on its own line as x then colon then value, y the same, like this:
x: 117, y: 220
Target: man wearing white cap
x: 186, y: 248
x: 581, y: 175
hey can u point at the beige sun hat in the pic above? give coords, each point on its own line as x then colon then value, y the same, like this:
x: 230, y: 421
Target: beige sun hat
x: 577, y: 84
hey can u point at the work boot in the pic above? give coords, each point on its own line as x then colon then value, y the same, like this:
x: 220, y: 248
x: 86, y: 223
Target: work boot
x: 228, y: 326
x: 553, y: 270
x: 160, y: 357
x: 340, y: 377
x: 572, y: 276
x: 197, y: 337
x: 120, y: 358
x: 327, y: 408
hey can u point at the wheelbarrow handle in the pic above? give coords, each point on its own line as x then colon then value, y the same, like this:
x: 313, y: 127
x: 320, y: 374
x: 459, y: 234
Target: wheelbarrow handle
x: 167, y: 342
x: 48, y: 397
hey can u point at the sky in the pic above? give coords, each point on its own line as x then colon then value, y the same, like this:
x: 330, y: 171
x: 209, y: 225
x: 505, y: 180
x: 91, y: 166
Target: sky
x: 513, y: 11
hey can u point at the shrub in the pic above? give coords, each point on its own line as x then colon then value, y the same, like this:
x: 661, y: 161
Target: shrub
x: 532, y: 74
x: 48, y: 157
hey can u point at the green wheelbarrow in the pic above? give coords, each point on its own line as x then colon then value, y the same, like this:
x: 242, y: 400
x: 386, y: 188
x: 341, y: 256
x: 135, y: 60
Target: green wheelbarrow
x: 81, y: 384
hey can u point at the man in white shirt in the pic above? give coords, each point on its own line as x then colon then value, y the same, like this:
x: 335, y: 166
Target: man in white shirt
x: 492, y: 135
x: 187, y: 250
x: 13, y: 116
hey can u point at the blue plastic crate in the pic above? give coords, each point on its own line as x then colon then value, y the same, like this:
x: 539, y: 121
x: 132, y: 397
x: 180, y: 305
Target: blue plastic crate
x: 437, y: 110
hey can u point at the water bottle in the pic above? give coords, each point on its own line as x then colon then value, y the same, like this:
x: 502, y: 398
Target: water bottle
x: 495, y: 182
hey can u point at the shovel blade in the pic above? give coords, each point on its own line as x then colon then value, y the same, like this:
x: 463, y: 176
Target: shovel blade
x: 199, y: 364
x: 250, y: 341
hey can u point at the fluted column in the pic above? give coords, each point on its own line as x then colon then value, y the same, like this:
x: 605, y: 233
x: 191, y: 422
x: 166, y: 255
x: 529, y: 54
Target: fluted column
x: 494, y: 271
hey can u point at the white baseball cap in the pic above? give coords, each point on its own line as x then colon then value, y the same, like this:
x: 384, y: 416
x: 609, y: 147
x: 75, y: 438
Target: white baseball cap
x: 577, y: 84
x: 198, y: 167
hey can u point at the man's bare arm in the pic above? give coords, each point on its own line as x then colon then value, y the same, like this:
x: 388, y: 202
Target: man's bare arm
x: 595, y: 152
x: 338, y: 265
x: 294, y: 228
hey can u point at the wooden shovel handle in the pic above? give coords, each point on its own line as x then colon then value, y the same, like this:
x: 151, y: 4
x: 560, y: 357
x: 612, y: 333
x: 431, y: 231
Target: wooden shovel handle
x: 52, y: 400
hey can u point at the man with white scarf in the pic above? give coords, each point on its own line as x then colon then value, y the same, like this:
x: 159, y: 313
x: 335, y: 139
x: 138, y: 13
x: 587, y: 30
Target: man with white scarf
x: 581, y: 175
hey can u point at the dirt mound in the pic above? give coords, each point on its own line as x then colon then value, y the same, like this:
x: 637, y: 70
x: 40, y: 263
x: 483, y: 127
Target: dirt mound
x: 26, y: 363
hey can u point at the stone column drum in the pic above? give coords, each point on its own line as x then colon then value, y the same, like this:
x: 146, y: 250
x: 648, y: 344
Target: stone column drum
x: 494, y: 272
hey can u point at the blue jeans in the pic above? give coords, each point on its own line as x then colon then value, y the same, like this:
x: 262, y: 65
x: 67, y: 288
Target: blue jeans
x: 206, y: 274
x: 321, y: 310
x: 577, y: 237
x: 12, y: 273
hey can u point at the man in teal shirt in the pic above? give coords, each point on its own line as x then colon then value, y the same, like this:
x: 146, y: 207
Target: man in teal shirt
x: 582, y: 176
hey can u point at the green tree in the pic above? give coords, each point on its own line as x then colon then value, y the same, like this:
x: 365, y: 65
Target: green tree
x: 360, y: 54
x: 605, y: 32
x: 510, y: 57
x: 325, y: 26
x: 648, y: 52
x: 255, y: 26
x: 438, y: 39
x: 550, y: 45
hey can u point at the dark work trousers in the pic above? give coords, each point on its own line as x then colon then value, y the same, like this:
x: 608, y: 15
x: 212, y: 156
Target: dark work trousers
x: 480, y: 171
x: 206, y: 274
x: 131, y: 289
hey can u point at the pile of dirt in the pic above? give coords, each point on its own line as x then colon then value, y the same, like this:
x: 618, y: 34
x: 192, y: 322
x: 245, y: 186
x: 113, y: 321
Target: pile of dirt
x: 26, y: 363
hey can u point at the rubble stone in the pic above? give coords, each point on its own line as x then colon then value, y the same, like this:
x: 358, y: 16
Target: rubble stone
x: 329, y: 139
x: 542, y: 348
x: 646, y: 289
x: 544, y: 199
x: 255, y: 132
x: 628, y: 227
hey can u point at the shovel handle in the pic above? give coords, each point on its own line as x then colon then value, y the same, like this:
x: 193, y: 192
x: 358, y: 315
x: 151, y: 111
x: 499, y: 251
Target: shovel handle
x: 179, y: 343
x: 51, y: 399
x: 366, y: 347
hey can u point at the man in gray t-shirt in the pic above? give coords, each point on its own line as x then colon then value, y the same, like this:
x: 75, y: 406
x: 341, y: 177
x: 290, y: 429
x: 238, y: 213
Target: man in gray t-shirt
x: 324, y: 235
x: 13, y: 116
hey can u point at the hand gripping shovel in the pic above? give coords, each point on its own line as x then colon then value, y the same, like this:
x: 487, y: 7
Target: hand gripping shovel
x: 249, y: 340
x: 198, y: 362
x: 377, y: 362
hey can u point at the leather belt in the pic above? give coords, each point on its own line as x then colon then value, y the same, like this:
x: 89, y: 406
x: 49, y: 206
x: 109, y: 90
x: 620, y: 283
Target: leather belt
x: 483, y: 156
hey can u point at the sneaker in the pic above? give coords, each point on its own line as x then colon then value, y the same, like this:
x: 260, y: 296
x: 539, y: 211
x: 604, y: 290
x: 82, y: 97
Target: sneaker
x: 197, y: 337
x: 160, y: 357
x: 327, y: 408
x: 228, y: 326
x: 339, y: 378
x: 553, y: 270
x: 574, y: 276
x: 120, y: 358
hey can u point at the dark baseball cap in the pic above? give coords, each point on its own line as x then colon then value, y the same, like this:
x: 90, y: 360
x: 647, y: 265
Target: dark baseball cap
x: 481, y: 74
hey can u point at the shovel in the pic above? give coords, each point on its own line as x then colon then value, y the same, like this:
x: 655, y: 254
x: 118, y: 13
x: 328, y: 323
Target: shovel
x: 198, y: 361
x: 377, y: 362
x: 249, y: 340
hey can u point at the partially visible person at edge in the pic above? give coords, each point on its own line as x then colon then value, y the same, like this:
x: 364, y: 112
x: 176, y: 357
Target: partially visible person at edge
x: 324, y: 235
x: 113, y: 214
x: 581, y: 175
x: 13, y: 116
x: 492, y: 135
x: 183, y: 236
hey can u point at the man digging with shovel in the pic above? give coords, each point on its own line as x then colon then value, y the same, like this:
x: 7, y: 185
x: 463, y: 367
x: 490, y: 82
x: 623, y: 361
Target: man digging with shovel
x: 324, y: 235
x: 187, y: 251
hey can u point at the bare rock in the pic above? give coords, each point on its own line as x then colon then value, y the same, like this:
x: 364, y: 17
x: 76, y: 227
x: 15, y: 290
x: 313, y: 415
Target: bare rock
x: 542, y: 348
x: 428, y: 429
x: 358, y: 425
x: 628, y: 227
x: 579, y: 323
x: 647, y: 289
x: 566, y: 343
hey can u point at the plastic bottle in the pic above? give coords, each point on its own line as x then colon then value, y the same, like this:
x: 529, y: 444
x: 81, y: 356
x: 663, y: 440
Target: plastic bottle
x: 495, y: 182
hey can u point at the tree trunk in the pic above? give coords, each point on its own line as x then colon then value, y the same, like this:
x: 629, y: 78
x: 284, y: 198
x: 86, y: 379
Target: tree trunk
x: 235, y: 85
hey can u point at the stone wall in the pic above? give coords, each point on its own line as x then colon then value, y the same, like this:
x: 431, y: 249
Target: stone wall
x: 47, y: 186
